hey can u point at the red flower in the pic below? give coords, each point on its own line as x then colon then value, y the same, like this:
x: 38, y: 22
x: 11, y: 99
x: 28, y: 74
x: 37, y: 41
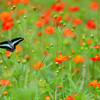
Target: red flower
x: 4, y: 82
x: 77, y: 21
x: 95, y: 58
x: 15, y: 1
x: 25, y: 1
x: 94, y: 5
x: 57, y: 7
x: 49, y: 30
x: 61, y: 58
x: 7, y: 53
x: 74, y: 8
x: 89, y: 41
x: 91, y: 24
x: 39, y: 23
x: 7, y: 25
x: 58, y: 19
x: 39, y: 33
x: 67, y: 32
x: 47, y: 97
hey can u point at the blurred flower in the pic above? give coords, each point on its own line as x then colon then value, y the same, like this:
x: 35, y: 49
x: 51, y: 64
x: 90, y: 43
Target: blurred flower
x: 95, y: 58
x: 45, y: 52
x: 15, y: 1
x: 67, y: 32
x: 73, y: 51
x: 5, y: 82
x: 98, y: 84
x: 22, y: 11
x: 18, y: 48
x: 76, y: 70
x: 78, y: 59
x: 5, y: 93
x: 67, y: 17
x: 27, y: 57
x: 94, y: 5
x: 59, y: 86
x: 7, y: 25
x: 49, y: 30
x: 7, y: 53
x: 97, y: 46
x: 39, y: 33
x: 5, y: 16
x: 25, y: 1
x: 77, y: 21
x: 47, y: 97
x: 94, y: 83
x: 91, y: 24
x: 70, y: 98
x: 89, y: 41
x: 74, y: 8
x: 38, y: 65
x: 58, y: 19
x: 61, y: 58
x: 39, y: 23
x: 57, y: 7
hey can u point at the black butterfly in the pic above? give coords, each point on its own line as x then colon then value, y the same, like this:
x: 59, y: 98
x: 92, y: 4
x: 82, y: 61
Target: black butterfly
x: 11, y: 44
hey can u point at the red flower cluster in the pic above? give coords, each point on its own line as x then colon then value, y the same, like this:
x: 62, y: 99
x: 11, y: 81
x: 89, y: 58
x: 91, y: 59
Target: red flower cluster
x: 57, y: 7
x: 77, y: 21
x: 4, y: 82
x: 96, y: 58
x: 91, y: 24
x: 20, y: 1
x: 74, y: 8
x: 97, y: 46
x: 7, y: 20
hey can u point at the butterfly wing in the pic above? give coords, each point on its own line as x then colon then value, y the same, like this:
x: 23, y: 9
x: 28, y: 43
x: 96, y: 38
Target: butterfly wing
x: 16, y: 41
x: 6, y: 46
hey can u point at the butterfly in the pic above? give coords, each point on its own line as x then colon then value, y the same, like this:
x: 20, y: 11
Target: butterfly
x: 11, y: 44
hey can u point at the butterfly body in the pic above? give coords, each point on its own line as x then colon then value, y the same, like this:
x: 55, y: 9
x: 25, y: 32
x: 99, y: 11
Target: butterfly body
x: 11, y: 44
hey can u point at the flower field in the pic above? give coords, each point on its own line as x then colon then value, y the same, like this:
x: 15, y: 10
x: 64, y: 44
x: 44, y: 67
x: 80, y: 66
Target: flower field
x: 49, y: 49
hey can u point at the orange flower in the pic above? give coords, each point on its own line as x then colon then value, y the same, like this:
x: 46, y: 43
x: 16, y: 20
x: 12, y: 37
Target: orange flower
x: 59, y: 86
x: 97, y: 46
x: 39, y: 23
x: 73, y: 51
x: 27, y: 57
x: 7, y: 53
x: 18, y: 48
x: 38, y: 65
x: 61, y: 58
x: 49, y: 30
x: 22, y: 11
x: 70, y: 98
x: 57, y: 7
x: 91, y: 24
x: 94, y: 83
x: 47, y: 97
x: 5, y: 16
x: 77, y: 21
x: 74, y: 8
x: 4, y: 82
x: 89, y: 41
x: 67, y: 32
x: 5, y: 93
x: 98, y: 84
x: 78, y: 59
x: 94, y: 5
